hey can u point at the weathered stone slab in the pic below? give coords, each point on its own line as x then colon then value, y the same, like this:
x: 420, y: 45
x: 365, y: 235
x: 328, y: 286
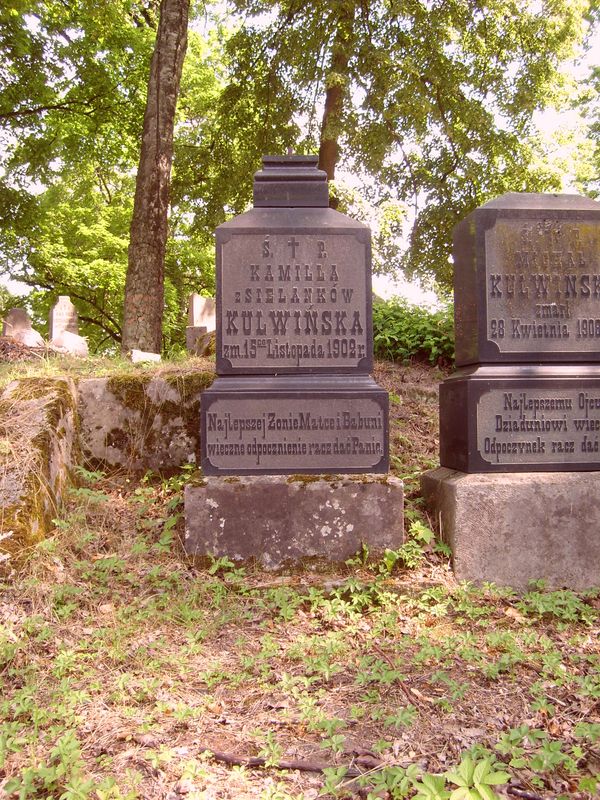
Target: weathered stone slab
x: 18, y: 325
x: 527, y: 280
x: 517, y: 418
x: 511, y: 529
x: 196, y: 339
x: 38, y: 449
x: 142, y: 422
x: 143, y: 357
x: 289, y: 424
x: 278, y: 520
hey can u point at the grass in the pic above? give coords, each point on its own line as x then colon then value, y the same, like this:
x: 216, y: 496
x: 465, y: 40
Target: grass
x: 53, y: 366
x: 124, y: 667
x: 127, y: 671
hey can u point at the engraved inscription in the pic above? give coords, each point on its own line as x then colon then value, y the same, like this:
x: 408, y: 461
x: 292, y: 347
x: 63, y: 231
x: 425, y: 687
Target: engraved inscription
x: 294, y: 301
x: 539, y: 426
x: 543, y: 285
x: 317, y: 433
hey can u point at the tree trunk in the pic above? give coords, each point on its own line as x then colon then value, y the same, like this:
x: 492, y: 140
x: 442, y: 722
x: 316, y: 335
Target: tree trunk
x: 337, y: 87
x: 144, y: 286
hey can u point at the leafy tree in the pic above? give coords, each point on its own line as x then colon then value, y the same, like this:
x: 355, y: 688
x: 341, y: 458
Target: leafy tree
x: 75, y: 78
x: 73, y: 74
x: 73, y: 90
x: 433, y: 99
x: 74, y: 242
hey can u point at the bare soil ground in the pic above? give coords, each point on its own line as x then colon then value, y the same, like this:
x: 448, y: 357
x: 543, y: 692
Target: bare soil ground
x: 128, y: 671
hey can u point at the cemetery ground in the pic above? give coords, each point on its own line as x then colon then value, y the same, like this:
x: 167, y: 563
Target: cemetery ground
x: 129, y: 671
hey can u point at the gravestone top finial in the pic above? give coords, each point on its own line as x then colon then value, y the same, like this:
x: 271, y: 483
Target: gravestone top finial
x: 292, y: 181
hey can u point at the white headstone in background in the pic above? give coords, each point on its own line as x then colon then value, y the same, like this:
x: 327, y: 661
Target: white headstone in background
x: 18, y: 325
x: 202, y: 312
x: 63, y: 317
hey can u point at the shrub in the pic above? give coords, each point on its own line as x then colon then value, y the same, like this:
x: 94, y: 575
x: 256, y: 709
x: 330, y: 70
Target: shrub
x: 402, y: 331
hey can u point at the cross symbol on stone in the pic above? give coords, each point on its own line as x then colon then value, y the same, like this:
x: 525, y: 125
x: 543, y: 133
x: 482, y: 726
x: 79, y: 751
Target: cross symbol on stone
x: 293, y: 244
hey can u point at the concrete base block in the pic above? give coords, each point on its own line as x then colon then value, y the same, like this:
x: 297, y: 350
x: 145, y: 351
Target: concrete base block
x: 278, y: 519
x: 510, y: 528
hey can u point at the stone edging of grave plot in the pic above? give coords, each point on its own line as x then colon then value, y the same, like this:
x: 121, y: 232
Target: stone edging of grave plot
x: 49, y: 425
x: 142, y: 422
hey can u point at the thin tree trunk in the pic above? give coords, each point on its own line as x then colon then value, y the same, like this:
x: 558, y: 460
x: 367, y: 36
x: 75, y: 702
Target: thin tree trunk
x: 337, y: 88
x: 144, y: 287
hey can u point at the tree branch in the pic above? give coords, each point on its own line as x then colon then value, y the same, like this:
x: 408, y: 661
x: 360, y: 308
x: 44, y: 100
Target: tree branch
x: 368, y: 762
x: 66, y: 105
x: 523, y: 793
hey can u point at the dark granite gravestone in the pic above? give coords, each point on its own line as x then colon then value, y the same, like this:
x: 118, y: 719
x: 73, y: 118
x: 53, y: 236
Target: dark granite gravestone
x: 527, y: 312
x: 294, y: 336
x: 527, y: 281
x: 526, y: 397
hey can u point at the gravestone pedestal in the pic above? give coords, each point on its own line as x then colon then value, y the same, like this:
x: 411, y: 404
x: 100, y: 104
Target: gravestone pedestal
x: 510, y: 528
x: 279, y: 520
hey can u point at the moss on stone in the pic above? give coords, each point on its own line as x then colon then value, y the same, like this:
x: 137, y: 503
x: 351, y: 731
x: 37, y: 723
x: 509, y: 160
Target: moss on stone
x: 130, y: 390
x: 189, y: 383
x: 301, y: 478
x: 365, y: 478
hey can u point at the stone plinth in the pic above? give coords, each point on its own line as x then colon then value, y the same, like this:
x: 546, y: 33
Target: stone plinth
x: 285, y: 425
x: 279, y: 520
x: 196, y: 337
x: 141, y: 421
x: 521, y: 418
x: 511, y: 528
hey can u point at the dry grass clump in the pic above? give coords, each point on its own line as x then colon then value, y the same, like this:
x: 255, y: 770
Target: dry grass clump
x: 37, y: 441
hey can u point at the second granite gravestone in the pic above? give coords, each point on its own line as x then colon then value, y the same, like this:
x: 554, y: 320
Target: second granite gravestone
x: 527, y: 307
x: 63, y: 317
x: 526, y: 396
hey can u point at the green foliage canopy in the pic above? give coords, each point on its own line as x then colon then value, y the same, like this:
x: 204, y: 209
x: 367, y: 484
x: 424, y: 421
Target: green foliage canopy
x: 438, y: 95
x: 75, y: 78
